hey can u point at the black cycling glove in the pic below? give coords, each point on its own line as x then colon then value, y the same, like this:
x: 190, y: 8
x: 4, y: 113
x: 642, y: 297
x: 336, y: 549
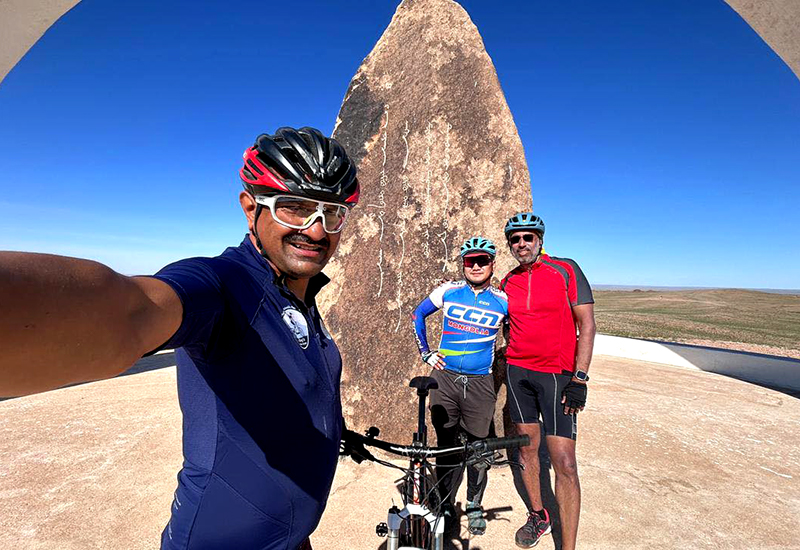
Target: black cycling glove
x: 575, y: 395
x: 352, y: 445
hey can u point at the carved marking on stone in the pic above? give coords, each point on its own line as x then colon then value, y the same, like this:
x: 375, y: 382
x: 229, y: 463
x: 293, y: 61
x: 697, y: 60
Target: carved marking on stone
x: 399, y: 297
x: 426, y: 247
x: 445, y: 181
x: 443, y: 238
x: 404, y: 178
x: 405, y: 140
x: 382, y: 182
x: 401, y: 225
x: 380, y: 257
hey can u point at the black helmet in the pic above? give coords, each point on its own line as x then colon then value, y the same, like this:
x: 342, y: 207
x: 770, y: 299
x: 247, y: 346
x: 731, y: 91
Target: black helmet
x: 300, y: 162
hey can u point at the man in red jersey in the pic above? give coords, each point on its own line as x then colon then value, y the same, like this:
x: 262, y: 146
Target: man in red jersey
x: 550, y: 340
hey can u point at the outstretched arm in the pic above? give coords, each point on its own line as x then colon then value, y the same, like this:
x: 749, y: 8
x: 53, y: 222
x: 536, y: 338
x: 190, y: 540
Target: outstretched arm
x: 66, y: 320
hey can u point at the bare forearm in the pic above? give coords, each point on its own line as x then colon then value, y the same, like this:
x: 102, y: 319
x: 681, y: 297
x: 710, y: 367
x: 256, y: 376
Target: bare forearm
x: 65, y: 320
x: 583, y: 357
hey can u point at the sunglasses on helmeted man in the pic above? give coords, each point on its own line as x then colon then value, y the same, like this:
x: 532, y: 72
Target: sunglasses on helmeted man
x: 528, y: 238
x: 480, y: 261
x: 302, y: 213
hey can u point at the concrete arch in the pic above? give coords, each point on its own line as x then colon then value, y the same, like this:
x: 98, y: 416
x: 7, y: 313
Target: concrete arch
x: 23, y: 22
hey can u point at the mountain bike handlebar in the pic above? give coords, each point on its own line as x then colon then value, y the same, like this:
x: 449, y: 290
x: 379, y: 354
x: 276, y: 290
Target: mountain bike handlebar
x: 355, y: 446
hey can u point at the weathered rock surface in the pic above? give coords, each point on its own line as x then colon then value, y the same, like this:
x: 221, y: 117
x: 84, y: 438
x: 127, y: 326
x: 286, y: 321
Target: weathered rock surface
x: 440, y: 161
x: 778, y: 23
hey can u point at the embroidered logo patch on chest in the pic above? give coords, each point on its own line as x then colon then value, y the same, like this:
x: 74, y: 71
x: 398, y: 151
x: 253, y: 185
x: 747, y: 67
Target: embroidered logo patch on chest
x: 297, y: 324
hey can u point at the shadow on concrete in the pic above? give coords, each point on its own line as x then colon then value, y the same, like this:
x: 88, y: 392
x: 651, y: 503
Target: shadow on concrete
x: 548, y: 495
x: 154, y: 362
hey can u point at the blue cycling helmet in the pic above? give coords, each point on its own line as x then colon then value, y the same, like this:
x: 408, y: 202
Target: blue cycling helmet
x: 478, y: 245
x: 524, y: 221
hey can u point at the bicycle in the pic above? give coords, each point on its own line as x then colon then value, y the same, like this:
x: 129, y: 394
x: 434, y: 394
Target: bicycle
x: 420, y: 524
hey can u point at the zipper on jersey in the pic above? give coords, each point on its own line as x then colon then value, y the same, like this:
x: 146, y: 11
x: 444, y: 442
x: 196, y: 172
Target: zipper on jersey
x: 529, y: 287
x: 464, y: 346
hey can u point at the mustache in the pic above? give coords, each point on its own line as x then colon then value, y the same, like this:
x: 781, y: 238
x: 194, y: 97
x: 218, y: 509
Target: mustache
x: 305, y: 239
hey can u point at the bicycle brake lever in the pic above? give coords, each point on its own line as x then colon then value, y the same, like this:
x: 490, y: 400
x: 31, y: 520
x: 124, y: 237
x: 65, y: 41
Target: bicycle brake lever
x: 483, y: 457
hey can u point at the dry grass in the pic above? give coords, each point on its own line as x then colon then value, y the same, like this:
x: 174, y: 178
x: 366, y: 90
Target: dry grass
x: 735, y: 319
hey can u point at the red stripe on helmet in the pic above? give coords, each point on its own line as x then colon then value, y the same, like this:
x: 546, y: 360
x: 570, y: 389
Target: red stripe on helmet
x: 353, y: 199
x: 266, y: 178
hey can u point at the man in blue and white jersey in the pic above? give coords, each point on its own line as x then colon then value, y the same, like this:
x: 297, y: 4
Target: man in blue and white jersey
x: 473, y: 312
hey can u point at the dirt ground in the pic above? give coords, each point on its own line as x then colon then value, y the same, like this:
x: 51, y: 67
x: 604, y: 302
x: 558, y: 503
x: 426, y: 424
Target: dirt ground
x: 669, y: 458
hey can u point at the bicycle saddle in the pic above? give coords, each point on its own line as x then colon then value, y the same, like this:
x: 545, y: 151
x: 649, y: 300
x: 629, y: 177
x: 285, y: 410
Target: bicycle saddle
x: 423, y: 383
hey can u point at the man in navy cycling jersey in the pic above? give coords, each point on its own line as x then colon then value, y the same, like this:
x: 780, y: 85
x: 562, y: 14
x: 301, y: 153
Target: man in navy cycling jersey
x: 473, y: 312
x: 258, y: 373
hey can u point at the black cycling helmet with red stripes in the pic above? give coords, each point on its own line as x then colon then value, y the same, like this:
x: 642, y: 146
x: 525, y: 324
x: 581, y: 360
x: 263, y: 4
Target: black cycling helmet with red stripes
x: 302, y: 163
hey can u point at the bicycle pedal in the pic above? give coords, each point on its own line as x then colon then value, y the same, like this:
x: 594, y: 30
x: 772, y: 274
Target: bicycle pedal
x: 382, y: 529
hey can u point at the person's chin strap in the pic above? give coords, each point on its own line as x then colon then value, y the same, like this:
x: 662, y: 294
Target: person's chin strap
x: 254, y: 232
x: 281, y: 276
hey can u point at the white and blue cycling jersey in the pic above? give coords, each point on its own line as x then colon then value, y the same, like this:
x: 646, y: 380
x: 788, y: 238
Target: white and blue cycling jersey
x: 470, y: 325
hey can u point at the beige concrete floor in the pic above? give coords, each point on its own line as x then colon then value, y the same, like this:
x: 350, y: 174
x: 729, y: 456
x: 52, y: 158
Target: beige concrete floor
x: 669, y: 458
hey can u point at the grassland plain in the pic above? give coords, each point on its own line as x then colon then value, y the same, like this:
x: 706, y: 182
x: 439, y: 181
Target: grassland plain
x: 744, y: 320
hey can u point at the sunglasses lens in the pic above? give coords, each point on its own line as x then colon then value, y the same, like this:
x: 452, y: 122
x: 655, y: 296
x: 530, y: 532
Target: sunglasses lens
x: 480, y: 261
x: 514, y: 239
x: 300, y: 213
x: 333, y: 216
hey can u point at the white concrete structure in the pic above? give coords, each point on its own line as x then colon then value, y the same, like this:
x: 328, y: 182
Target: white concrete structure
x: 23, y: 22
x: 768, y: 370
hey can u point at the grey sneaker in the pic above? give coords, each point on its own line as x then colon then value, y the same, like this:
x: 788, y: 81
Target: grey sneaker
x: 534, y: 529
x: 476, y: 524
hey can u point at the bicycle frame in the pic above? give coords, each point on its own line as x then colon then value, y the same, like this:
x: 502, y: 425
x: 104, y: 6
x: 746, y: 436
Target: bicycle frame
x: 419, y: 525
x: 420, y: 522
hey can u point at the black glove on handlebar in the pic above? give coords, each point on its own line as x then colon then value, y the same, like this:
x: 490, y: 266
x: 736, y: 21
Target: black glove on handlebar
x: 352, y: 445
x: 574, y: 395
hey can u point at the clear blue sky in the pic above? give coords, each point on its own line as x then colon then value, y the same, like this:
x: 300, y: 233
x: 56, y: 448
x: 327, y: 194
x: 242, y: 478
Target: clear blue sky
x: 662, y: 136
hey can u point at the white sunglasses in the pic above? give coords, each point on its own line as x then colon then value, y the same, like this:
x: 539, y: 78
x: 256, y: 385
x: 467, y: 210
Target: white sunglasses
x: 301, y: 213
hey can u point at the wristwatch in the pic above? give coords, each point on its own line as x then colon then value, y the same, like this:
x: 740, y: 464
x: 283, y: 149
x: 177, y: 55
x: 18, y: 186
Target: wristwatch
x: 581, y: 375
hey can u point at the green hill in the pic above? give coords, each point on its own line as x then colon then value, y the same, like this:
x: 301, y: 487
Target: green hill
x: 735, y: 319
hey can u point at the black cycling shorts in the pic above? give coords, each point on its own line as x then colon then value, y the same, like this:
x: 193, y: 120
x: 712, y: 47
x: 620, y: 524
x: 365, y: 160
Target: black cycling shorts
x: 532, y: 394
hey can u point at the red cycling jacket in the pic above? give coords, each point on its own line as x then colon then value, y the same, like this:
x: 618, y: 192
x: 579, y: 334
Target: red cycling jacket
x: 543, y: 335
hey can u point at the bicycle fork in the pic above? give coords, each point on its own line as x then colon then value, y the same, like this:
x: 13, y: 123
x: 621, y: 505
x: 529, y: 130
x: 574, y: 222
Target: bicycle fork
x: 414, y: 513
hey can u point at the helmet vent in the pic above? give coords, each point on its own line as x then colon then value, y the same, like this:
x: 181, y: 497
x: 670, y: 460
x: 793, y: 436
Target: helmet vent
x: 253, y: 166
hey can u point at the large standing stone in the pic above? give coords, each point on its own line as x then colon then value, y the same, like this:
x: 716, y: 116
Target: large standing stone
x: 440, y: 161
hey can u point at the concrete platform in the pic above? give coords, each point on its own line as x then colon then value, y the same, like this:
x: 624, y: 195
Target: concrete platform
x: 669, y: 458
